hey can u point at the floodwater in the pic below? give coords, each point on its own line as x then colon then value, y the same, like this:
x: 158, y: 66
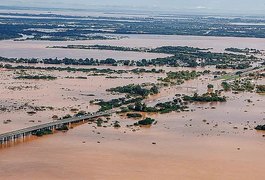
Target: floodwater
x: 37, y: 49
x: 214, y: 141
x: 62, y: 94
x: 207, y: 143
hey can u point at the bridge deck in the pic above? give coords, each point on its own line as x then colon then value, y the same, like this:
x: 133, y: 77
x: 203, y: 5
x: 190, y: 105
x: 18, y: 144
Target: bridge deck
x: 51, y: 124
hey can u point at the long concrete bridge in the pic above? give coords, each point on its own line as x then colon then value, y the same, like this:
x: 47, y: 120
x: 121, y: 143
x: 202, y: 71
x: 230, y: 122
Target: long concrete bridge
x: 21, y: 133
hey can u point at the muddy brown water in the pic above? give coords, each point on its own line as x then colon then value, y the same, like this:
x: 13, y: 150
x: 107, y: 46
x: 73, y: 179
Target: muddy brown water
x: 37, y: 49
x: 213, y: 141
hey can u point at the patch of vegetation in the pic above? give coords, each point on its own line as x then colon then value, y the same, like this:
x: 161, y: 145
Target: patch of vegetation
x: 114, y: 103
x: 226, y: 86
x: 242, y: 85
x: 260, y: 127
x: 166, y: 107
x: 95, y: 71
x: 116, y: 124
x: 245, y: 51
x: 99, y: 122
x: 210, y: 86
x: 37, y: 77
x: 234, y: 65
x: 179, y: 77
x: 124, y: 110
x: 66, y: 116
x: 207, y: 97
x: 102, y: 47
x: 260, y: 88
x: 42, y: 132
x: 136, y: 90
x: 134, y: 115
x: 145, y: 122
x: 170, y: 106
x: 179, y: 56
x: 80, y: 113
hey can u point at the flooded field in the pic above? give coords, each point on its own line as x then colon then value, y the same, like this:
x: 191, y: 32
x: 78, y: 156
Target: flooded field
x: 214, y: 140
x: 37, y: 49
x: 62, y: 94
x: 207, y: 143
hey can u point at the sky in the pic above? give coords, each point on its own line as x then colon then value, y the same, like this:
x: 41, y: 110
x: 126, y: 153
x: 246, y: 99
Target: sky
x: 222, y: 6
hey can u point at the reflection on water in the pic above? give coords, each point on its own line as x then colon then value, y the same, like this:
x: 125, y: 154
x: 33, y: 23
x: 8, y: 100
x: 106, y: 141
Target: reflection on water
x: 29, y: 138
x: 17, y: 141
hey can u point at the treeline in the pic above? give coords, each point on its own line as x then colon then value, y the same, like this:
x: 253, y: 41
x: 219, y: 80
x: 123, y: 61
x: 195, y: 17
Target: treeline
x: 245, y: 51
x: 85, y: 70
x: 180, y: 56
x: 163, y: 49
x: 234, y: 66
x: 102, y: 47
x: 36, y: 77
